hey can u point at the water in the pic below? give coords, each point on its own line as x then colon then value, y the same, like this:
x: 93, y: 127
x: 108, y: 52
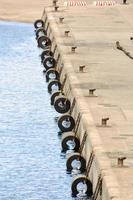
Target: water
x: 31, y: 167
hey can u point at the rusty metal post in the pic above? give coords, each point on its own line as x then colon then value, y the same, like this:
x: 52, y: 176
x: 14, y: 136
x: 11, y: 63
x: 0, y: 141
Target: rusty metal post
x: 61, y: 19
x: 91, y: 92
x: 66, y: 33
x: 56, y: 8
x: 73, y: 49
x: 104, y: 121
x: 120, y: 161
x: 54, y: 2
x: 81, y: 68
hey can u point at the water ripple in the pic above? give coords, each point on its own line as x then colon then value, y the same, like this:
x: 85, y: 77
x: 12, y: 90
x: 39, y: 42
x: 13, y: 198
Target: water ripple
x: 31, y: 167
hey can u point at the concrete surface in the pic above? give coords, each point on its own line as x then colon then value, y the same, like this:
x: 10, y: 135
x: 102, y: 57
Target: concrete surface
x: 95, y: 30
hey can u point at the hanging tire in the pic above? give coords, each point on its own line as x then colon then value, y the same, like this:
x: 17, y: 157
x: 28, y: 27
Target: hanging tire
x: 53, y: 83
x: 67, y: 139
x: 81, y: 179
x: 40, y: 31
x: 66, y: 123
x: 81, y: 162
x: 55, y: 94
x: 62, y: 104
x: 45, y: 54
x: 43, y: 42
x: 52, y: 74
x: 49, y: 62
x: 38, y: 23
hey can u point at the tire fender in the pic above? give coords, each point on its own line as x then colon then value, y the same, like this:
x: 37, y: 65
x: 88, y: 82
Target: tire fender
x: 52, y: 83
x: 62, y: 104
x: 45, y: 54
x: 78, y: 157
x: 40, y: 31
x: 49, y: 73
x: 43, y: 42
x: 69, y: 136
x: 81, y: 179
x: 49, y: 62
x: 54, y: 95
x: 69, y: 120
x: 38, y: 23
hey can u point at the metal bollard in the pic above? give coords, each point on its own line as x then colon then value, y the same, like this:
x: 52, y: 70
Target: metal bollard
x: 81, y: 68
x: 73, y: 49
x: 54, y: 2
x: 61, y: 19
x: 91, y: 92
x: 104, y: 121
x: 120, y: 161
x: 66, y: 33
x: 56, y: 8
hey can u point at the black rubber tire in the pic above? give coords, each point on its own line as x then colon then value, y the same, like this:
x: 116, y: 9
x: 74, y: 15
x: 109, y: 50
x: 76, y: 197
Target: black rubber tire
x: 67, y: 137
x: 66, y: 118
x: 47, y: 60
x: 45, y: 54
x: 43, y: 42
x: 54, y: 82
x: 55, y: 94
x: 78, y: 179
x: 75, y: 156
x: 62, y: 104
x: 50, y: 72
x: 40, y: 30
x: 38, y: 22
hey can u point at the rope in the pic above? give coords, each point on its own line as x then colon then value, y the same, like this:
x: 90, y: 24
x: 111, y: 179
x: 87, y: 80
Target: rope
x: 98, y: 188
x: 118, y: 46
x: 89, y: 163
x: 77, y: 124
x: 63, y: 83
x: 72, y: 106
x: 83, y: 143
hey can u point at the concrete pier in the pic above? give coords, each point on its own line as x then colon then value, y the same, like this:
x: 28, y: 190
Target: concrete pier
x: 100, y: 78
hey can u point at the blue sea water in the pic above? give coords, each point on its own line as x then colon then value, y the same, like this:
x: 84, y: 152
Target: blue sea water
x: 31, y: 167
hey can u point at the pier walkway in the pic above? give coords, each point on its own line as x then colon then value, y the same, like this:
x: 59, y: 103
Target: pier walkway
x: 94, y: 30
x: 95, y: 27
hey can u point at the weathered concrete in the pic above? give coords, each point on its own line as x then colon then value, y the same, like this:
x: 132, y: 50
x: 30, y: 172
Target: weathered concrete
x: 95, y: 30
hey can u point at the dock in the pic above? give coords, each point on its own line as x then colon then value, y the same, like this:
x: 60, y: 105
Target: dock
x: 92, y: 42
x: 86, y: 37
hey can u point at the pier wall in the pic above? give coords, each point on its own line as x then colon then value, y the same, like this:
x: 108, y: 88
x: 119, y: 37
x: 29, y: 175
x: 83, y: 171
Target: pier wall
x: 61, y: 45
